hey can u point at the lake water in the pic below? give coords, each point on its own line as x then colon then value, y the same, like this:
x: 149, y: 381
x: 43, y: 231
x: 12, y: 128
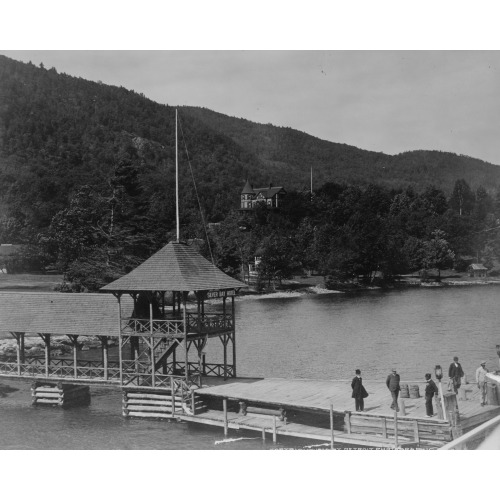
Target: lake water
x: 309, y: 336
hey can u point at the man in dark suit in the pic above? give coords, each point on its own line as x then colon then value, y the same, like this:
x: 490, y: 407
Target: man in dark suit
x: 456, y: 373
x: 430, y: 390
x: 358, y: 391
x: 392, y: 383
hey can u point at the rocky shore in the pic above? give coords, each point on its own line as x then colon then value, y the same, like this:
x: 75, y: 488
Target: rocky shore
x: 60, y: 346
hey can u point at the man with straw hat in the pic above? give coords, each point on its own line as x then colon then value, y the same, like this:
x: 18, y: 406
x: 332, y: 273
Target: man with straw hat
x: 481, y: 382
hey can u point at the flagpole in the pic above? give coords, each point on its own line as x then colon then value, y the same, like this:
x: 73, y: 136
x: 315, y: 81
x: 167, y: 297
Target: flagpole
x: 176, y: 180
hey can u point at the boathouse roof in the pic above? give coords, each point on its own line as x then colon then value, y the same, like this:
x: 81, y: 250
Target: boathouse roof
x: 8, y: 250
x: 477, y: 267
x: 176, y: 267
x: 61, y: 313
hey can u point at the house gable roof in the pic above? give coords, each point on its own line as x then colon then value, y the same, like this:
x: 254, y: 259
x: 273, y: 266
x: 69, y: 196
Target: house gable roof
x: 269, y: 191
x: 477, y: 267
x: 176, y: 267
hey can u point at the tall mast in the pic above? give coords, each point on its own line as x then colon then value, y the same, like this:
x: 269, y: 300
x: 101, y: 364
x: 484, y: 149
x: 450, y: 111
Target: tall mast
x: 176, y: 180
x: 311, y: 181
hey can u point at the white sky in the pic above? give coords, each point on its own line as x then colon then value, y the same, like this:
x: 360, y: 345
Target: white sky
x: 390, y: 101
x: 381, y: 100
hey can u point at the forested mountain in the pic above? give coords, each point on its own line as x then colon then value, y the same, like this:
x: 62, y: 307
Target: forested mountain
x: 87, y: 180
x: 289, y: 154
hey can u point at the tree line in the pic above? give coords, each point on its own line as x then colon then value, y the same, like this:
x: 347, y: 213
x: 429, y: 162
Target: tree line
x: 349, y: 234
x: 345, y: 233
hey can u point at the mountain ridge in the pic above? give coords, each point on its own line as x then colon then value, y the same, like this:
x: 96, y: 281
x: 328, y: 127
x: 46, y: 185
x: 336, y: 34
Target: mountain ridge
x: 59, y: 132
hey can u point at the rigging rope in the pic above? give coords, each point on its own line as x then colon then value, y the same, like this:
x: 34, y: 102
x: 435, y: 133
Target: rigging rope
x: 198, y: 198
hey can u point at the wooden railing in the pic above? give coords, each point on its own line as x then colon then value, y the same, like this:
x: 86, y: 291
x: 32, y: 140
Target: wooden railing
x: 476, y: 438
x: 208, y: 369
x: 157, y: 327
x: 417, y: 430
x: 209, y: 322
x: 81, y: 363
x: 203, y: 323
x: 35, y: 369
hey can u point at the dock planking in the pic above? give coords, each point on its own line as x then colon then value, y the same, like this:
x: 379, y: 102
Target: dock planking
x: 312, y: 395
x: 317, y: 395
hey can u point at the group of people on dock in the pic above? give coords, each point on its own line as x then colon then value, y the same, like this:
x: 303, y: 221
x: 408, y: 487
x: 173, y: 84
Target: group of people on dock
x: 455, y: 374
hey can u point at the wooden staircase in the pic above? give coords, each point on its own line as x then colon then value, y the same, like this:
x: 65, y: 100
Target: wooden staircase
x: 166, y: 352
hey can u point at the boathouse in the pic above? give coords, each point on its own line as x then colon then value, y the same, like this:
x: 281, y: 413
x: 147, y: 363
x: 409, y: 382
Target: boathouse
x: 477, y: 271
x: 8, y: 254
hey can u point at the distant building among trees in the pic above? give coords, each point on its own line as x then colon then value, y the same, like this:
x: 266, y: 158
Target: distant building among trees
x: 477, y: 271
x: 270, y: 196
x: 8, y: 254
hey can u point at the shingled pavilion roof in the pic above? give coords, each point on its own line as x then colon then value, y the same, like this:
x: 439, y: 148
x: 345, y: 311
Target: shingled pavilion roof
x: 176, y: 267
x: 61, y: 313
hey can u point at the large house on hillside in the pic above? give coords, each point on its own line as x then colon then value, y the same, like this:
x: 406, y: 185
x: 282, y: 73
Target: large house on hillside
x: 270, y: 196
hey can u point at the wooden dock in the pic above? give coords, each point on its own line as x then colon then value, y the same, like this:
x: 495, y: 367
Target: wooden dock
x: 274, y: 427
x: 375, y: 427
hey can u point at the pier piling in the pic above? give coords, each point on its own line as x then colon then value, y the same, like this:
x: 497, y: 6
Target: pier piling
x: 332, y: 440
x: 224, y: 408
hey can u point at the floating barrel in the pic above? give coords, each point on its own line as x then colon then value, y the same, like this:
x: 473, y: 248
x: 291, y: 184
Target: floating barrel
x: 405, y: 393
x: 414, y: 392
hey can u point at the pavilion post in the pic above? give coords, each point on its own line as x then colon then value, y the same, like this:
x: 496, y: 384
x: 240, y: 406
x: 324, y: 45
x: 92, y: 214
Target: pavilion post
x: 46, y: 339
x: 104, y: 347
x: 184, y: 321
x: 17, y: 336
x: 134, y: 350
x: 174, y: 361
x: 199, y: 315
x: 74, y: 343
x: 21, y: 347
x: 233, y: 336
x: 120, y: 355
x: 224, y: 341
x: 18, y: 349
x: 152, y: 343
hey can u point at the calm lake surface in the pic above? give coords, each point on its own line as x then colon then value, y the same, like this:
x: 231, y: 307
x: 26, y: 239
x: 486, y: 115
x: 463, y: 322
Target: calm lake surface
x: 309, y: 336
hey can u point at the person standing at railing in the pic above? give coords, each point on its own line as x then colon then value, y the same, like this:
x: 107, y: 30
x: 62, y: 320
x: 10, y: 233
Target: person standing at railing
x: 481, y: 382
x: 430, y: 390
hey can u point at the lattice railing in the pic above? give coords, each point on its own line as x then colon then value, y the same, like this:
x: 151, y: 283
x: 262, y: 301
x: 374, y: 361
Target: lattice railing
x: 203, y: 323
x: 157, y: 327
x: 82, y: 363
x: 209, y: 322
x: 211, y: 369
x: 59, y: 370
